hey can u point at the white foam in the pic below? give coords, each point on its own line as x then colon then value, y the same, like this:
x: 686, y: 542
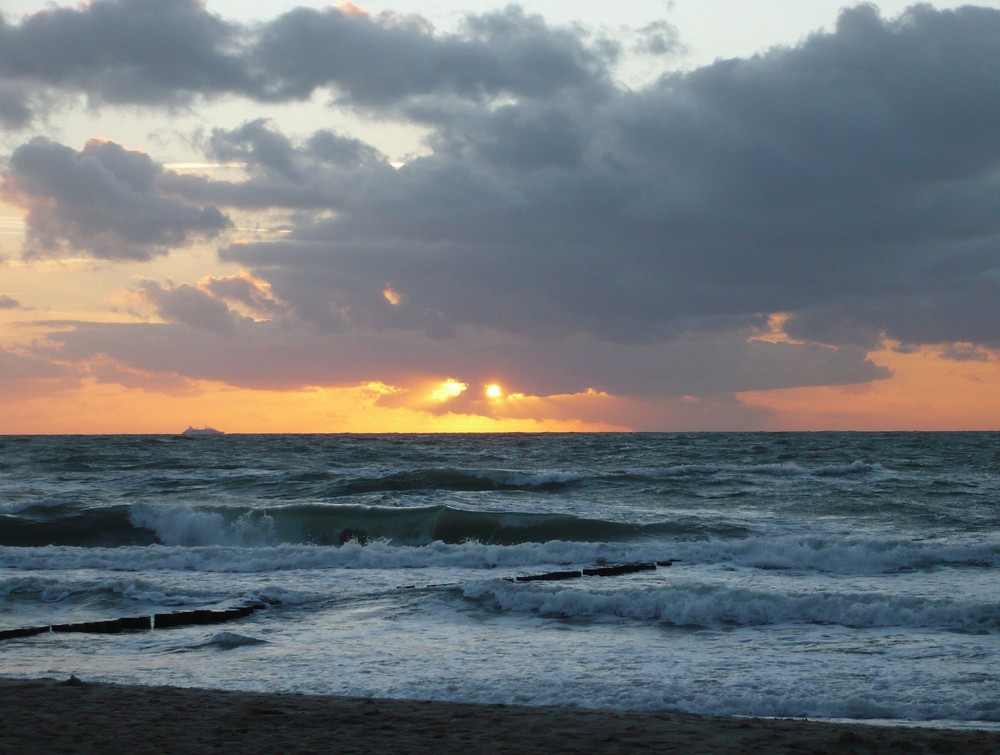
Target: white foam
x: 680, y: 470
x: 530, y: 479
x: 376, y: 555
x: 701, y: 604
x: 183, y: 525
x: 842, y: 555
x: 825, y: 555
x: 853, y: 468
x: 18, y: 507
x: 229, y: 640
x: 784, y: 469
x: 59, y: 588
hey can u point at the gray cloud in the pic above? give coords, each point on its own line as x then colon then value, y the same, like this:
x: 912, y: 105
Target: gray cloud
x: 8, y: 302
x: 15, y: 107
x: 21, y: 366
x: 259, y: 194
x: 963, y: 352
x: 108, y: 371
x: 257, y: 145
x: 314, y: 175
x: 160, y: 52
x: 205, y: 306
x: 659, y: 38
x: 101, y: 201
x: 851, y: 181
x: 24, y: 375
x: 377, y: 61
x: 209, y: 342
x: 188, y: 305
x: 268, y: 151
x: 245, y: 291
x: 170, y: 53
x: 564, y: 233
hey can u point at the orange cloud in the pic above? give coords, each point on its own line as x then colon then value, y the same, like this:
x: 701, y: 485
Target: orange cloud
x: 391, y: 295
x: 352, y: 10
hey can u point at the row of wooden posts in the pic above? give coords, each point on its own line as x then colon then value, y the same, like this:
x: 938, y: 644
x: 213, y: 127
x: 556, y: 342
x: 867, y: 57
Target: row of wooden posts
x: 221, y: 615
x: 154, y: 621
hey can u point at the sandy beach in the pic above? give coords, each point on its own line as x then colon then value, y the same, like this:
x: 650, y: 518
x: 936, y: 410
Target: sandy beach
x: 77, y: 716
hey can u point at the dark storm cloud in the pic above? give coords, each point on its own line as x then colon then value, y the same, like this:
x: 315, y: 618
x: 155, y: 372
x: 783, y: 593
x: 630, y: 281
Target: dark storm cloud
x: 377, y: 61
x: 15, y: 107
x: 171, y: 52
x: 265, y: 149
x: 851, y: 181
x: 258, y: 146
x: 208, y: 342
x: 314, y: 175
x: 147, y: 52
x: 566, y: 233
x: 101, y: 201
x: 260, y: 193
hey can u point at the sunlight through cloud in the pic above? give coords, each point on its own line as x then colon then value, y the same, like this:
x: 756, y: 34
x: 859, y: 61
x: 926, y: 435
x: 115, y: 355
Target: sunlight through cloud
x: 449, y: 389
x: 392, y: 296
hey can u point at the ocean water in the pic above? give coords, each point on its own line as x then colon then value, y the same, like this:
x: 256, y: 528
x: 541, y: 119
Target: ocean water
x: 824, y: 575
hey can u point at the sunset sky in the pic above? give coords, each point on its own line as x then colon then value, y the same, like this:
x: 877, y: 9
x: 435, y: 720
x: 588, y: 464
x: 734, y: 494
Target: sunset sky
x: 441, y: 216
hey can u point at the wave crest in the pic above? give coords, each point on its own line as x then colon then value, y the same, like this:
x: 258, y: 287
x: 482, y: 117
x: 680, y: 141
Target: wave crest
x: 700, y: 605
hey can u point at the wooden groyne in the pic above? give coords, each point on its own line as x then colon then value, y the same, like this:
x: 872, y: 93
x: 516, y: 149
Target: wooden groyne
x: 206, y: 616
x: 166, y: 620
x: 596, y: 571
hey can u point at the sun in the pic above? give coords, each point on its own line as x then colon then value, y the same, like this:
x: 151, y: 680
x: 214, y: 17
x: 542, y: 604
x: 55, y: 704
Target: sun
x: 494, y: 391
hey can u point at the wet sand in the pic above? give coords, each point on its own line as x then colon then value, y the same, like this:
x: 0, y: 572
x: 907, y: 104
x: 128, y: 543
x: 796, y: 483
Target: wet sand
x: 52, y: 716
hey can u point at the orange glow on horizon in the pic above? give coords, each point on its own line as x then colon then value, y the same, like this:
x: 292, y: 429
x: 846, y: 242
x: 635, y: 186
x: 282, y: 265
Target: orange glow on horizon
x: 108, y: 408
x: 925, y: 392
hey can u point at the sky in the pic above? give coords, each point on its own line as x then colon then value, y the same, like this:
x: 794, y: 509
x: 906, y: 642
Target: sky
x: 440, y: 216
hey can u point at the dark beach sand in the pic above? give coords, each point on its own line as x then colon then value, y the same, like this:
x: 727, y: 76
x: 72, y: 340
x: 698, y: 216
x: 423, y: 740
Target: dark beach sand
x: 49, y: 716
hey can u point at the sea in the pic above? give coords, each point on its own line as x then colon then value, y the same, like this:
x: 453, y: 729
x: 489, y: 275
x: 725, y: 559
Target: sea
x: 845, y: 576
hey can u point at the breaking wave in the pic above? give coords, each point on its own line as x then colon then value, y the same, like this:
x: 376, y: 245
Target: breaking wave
x: 713, y: 606
x: 322, y: 524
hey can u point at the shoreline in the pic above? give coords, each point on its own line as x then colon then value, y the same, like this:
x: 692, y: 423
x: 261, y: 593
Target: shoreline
x: 50, y: 715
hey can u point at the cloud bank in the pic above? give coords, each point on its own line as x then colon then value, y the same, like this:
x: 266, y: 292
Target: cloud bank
x: 563, y: 229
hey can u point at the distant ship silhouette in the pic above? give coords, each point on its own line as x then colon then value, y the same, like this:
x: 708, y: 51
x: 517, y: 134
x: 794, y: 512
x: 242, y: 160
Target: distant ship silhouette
x: 202, y: 431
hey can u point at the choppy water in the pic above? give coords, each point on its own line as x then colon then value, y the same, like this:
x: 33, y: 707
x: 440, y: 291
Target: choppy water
x: 830, y: 575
